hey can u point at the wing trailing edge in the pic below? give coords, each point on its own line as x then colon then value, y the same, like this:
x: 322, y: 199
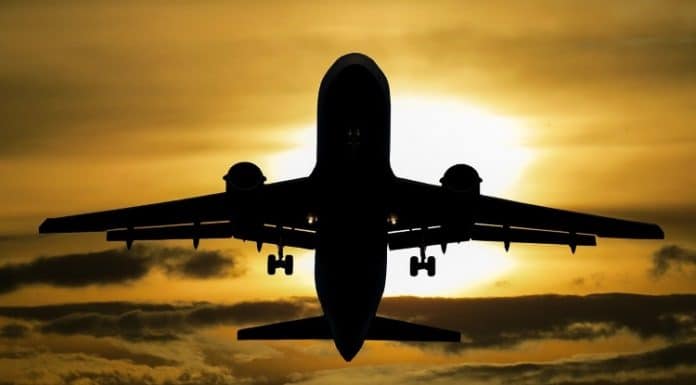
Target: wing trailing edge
x: 443, y: 235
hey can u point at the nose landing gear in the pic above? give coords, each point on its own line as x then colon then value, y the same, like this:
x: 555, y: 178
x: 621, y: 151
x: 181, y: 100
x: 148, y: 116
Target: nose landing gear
x: 422, y: 263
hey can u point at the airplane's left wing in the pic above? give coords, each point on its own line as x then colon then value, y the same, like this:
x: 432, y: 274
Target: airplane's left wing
x: 430, y: 215
x: 266, y: 214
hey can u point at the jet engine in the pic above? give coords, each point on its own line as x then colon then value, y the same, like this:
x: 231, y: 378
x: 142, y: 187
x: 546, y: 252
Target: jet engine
x: 461, y: 178
x: 243, y: 176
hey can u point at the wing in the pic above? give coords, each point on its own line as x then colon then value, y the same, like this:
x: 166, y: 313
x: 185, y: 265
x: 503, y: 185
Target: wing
x: 493, y: 210
x: 443, y: 217
x: 271, y: 212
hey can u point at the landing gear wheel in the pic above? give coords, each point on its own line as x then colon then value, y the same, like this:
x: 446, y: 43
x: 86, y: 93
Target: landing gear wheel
x: 415, y: 266
x: 430, y: 266
x: 271, y: 265
x: 288, y: 263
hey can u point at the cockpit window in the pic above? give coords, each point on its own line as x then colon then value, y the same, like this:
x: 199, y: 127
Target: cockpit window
x: 353, y: 136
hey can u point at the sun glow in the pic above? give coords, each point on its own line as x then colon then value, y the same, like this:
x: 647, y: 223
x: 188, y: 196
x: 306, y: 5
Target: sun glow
x: 429, y: 135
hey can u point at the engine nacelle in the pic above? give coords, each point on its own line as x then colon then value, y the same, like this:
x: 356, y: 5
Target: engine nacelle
x: 462, y: 178
x: 243, y: 176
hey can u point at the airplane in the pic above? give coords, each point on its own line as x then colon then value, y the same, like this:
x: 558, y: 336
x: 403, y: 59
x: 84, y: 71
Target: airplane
x: 351, y: 209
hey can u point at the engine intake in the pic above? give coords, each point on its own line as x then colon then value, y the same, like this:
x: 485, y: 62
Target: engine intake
x: 243, y: 176
x: 462, y: 178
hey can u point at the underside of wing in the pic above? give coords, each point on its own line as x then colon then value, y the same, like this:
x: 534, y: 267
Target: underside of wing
x: 305, y: 239
x: 430, y: 215
x: 498, y: 211
x: 266, y: 215
x: 205, y: 208
x: 445, y: 235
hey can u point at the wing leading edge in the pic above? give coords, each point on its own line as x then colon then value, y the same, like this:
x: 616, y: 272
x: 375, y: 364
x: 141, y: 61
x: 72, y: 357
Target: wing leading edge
x: 499, y: 211
x: 273, y: 212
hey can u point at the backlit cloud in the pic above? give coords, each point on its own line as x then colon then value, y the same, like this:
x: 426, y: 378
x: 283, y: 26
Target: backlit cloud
x: 117, y: 266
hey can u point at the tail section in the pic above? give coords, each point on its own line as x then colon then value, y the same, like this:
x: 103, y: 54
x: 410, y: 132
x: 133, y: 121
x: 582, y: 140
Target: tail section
x: 388, y: 329
x: 317, y: 328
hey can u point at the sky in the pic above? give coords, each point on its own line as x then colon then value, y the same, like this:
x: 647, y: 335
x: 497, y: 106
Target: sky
x: 578, y: 105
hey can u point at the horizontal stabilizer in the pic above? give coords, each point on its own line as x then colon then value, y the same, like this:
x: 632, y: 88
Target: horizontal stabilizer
x: 387, y: 329
x: 317, y: 328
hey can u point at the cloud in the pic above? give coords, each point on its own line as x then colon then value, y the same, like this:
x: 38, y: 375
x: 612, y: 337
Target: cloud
x: 115, y: 266
x: 133, y: 321
x: 670, y: 365
x: 671, y: 257
x: 507, y: 321
x: 493, y: 323
x: 13, y: 330
x: 484, y: 322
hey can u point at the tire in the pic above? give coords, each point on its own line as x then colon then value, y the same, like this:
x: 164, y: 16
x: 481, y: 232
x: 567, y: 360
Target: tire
x: 430, y: 266
x: 414, y: 266
x: 271, y: 265
x: 289, y: 264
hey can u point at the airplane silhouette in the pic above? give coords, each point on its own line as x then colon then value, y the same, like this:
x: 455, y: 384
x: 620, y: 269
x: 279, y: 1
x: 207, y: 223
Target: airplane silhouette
x: 350, y: 209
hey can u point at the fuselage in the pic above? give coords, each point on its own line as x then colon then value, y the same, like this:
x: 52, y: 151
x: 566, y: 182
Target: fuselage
x: 351, y: 173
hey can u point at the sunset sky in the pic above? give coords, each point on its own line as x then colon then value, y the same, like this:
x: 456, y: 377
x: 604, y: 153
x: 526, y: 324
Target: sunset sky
x: 586, y: 106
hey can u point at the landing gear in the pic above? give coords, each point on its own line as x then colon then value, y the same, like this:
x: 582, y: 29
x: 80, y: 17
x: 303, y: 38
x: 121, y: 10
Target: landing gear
x: 286, y: 263
x: 422, y: 263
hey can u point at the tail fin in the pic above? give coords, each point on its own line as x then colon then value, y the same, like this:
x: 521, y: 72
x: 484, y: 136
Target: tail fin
x: 317, y: 328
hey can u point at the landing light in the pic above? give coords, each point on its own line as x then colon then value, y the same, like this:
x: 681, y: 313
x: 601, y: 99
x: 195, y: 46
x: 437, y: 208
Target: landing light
x: 312, y: 219
x: 392, y: 219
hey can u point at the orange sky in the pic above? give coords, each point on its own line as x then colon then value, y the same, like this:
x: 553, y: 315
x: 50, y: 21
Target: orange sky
x: 586, y: 106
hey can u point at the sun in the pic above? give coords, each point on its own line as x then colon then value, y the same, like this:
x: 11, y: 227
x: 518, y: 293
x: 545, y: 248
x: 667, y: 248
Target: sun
x: 428, y: 135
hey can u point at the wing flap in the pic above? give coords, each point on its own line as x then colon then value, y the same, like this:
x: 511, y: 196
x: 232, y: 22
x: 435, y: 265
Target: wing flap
x: 441, y: 235
x: 265, y: 234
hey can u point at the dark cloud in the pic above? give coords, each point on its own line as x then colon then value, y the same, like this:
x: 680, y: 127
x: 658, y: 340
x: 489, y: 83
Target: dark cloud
x: 484, y: 322
x: 673, y: 365
x: 671, y: 257
x: 499, y: 322
x: 115, y: 266
x: 111, y: 351
x: 659, y: 366
x: 653, y: 367
x: 134, y: 321
x: 186, y: 377
x: 203, y: 264
x: 13, y: 330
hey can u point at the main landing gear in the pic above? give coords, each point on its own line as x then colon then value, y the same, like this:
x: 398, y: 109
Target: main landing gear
x: 422, y: 263
x: 285, y: 262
